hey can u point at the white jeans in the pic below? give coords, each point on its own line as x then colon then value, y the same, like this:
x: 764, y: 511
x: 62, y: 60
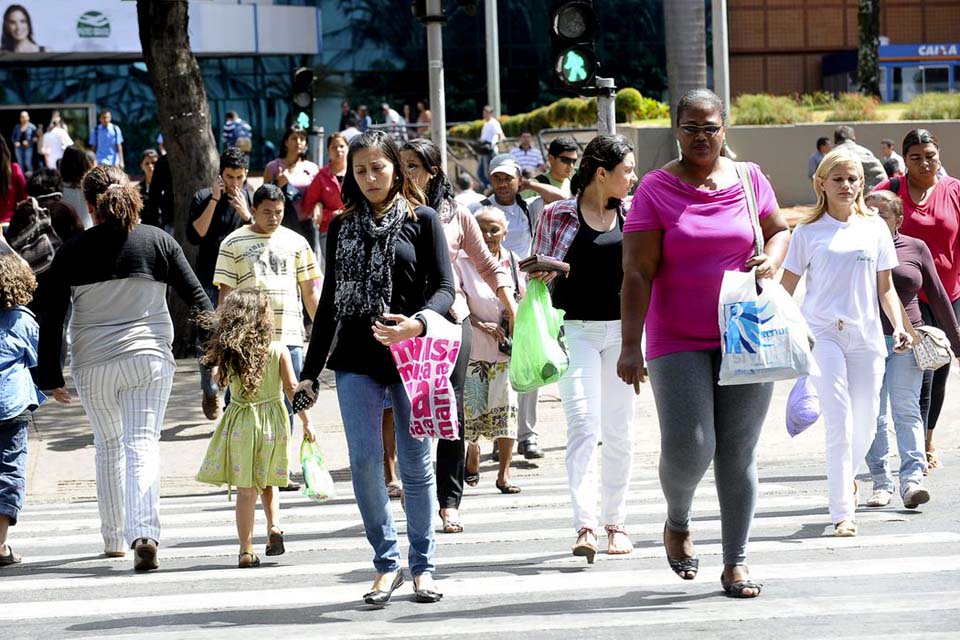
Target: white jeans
x: 125, y: 401
x: 598, y: 405
x: 851, y: 374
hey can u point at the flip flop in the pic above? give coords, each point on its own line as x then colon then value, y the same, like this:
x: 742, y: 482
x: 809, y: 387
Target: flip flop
x: 736, y: 588
x: 394, y: 491
x: 10, y: 558
x: 451, y: 526
x: 507, y: 487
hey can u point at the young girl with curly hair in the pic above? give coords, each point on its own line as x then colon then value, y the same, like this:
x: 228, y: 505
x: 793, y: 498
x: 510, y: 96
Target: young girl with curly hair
x: 249, y: 448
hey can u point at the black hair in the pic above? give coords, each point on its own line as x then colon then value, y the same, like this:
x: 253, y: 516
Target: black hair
x: 6, y: 171
x: 352, y: 120
x: 439, y: 187
x: 888, y: 142
x: 6, y: 42
x: 292, y: 130
x: 822, y: 140
x: 44, y: 181
x: 843, y: 133
x: 464, y: 182
x: 231, y: 114
x: 149, y: 153
x: 233, y: 158
x: 74, y: 164
x: 602, y: 151
x: 562, y: 145
x: 350, y: 193
x: 919, y: 136
x: 270, y: 192
x: 890, y: 166
x: 701, y: 97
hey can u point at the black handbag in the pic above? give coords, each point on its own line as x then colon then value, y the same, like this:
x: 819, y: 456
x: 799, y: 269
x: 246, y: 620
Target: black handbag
x: 506, y: 347
x: 36, y: 241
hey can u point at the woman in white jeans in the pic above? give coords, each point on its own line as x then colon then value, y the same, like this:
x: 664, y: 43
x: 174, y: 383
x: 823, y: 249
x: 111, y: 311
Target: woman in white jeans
x: 847, y: 253
x: 116, y: 274
x: 587, y: 232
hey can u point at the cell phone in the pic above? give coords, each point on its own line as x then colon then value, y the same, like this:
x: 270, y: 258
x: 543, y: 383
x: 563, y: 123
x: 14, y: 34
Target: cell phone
x: 302, y: 401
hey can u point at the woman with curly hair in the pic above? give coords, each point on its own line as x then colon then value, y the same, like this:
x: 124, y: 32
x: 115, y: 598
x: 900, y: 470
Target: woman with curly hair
x: 249, y: 447
x: 116, y: 275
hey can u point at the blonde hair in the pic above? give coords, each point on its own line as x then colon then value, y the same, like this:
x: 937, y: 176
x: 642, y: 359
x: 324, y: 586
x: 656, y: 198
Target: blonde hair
x: 241, y: 333
x: 836, y: 158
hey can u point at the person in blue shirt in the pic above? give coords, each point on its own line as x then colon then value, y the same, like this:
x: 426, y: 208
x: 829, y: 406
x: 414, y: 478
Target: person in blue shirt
x: 106, y: 139
x: 19, y: 335
x: 24, y: 139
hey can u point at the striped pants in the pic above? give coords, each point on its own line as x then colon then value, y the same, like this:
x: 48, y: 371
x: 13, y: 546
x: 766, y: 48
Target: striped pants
x: 125, y: 401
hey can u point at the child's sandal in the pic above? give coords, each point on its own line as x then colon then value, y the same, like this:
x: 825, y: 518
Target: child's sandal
x: 248, y: 560
x: 275, y: 543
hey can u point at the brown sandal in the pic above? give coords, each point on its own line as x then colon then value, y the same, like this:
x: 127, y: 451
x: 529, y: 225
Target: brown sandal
x: 584, y: 547
x: 248, y: 560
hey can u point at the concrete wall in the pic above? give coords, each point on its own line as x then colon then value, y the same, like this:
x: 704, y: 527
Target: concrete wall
x: 782, y: 151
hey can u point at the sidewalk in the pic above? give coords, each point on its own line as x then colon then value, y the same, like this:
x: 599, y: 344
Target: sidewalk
x: 61, y: 459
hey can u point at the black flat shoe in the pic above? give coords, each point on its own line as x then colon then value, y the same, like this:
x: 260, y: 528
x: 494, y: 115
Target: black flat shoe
x: 378, y: 597
x: 426, y: 596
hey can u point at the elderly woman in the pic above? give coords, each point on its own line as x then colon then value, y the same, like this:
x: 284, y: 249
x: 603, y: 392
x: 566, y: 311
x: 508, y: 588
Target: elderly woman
x: 688, y: 223
x: 490, y: 403
x: 931, y: 213
x: 116, y: 275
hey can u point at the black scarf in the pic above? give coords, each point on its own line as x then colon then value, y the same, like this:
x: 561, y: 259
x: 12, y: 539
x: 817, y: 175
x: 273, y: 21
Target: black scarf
x: 366, y: 249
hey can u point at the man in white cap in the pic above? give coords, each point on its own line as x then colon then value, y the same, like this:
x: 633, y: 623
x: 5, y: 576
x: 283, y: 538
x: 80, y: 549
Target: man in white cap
x: 522, y: 216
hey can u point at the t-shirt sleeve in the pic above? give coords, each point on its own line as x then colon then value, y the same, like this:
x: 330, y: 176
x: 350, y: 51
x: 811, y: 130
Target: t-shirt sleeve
x: 886, y: 254
x: 197, y: 204
x: 766, y: 198
x: 226, y: 270
x: 643, y: 214
x: 119, y: 135
x: 796, y: 260
x: 306, y: 264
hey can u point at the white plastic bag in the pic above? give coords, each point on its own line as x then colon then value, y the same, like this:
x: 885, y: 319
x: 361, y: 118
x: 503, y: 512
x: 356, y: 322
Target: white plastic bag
x: 763, y: 336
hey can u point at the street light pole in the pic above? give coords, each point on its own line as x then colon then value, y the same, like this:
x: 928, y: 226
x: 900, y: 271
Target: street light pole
x: 721, y: 52
x: 434, y: 21
x: 493, y: 55
x: 606, y: 107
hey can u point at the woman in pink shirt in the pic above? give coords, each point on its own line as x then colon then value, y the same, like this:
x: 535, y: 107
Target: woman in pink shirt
x: 325, y: 189
x: 931, y: 213
x: 689, y: 223
x: 13, y: 184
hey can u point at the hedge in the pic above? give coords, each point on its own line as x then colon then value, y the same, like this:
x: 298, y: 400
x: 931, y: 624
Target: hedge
x: 934, y: 106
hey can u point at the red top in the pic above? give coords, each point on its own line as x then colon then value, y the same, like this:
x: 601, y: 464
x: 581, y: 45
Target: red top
x: 324, y: 189
x: 937, y: 223
x: 16, y: 193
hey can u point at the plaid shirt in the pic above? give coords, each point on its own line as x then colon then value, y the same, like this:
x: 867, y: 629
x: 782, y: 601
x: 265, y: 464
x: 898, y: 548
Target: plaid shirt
x: 557, y: 227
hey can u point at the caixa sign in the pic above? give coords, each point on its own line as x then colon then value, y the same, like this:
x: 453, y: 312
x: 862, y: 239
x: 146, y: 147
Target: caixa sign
x: 919, y: 52
x: 937, y: 50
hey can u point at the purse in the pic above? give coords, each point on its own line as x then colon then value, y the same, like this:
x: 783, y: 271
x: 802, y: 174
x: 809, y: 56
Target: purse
x: 932, y: 350
x: 36, y: 242
x: 543, y: 263
x: 506, y: 347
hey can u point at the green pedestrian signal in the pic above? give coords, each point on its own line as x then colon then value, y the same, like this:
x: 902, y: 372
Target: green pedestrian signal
x: 303, y: 120
x: 574, y: 67
x: 573, y: 29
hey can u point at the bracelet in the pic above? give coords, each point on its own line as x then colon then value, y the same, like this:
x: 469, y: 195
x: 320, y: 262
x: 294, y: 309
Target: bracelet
x: 214, y: 199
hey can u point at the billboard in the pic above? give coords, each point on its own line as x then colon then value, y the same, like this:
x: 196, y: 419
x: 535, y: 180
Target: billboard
x: 84, y: 29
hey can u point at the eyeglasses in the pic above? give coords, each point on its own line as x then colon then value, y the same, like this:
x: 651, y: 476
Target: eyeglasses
x: 711, y: 130
x: 567, y: 160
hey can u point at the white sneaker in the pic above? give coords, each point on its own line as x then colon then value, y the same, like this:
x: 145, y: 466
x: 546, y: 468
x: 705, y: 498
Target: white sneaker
x: 914, y: 496
x: 879, y: 498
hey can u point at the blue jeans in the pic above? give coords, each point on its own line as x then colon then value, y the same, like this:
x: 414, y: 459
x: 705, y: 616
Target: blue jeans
x: 361, y: 408
x: 13, y: 464
x: 207, y: 383
x: 25, y: 158
x: 901, y: 388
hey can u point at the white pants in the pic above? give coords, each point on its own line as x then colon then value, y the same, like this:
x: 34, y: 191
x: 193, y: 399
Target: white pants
x: 851, y: 374
x: 125, y: 401
x: 598, y: 405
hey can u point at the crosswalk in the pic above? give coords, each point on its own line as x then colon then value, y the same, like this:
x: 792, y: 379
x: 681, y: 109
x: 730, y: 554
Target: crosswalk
x: 509, y: 573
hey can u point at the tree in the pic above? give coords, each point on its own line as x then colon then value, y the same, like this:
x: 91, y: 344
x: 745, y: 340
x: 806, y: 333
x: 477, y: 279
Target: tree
x: 686, y: 41
x: 184, y: 116
x: 868, y: 55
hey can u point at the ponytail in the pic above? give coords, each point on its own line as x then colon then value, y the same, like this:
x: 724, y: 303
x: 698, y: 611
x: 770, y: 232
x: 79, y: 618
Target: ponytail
x: 602, y: 151
x: 120, y: 205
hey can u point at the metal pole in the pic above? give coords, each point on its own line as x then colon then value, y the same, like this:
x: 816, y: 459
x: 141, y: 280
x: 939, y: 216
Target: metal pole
x: 493, y: 55
x: 438, y: 128
x: 606, y: 107
x: 721, y: 52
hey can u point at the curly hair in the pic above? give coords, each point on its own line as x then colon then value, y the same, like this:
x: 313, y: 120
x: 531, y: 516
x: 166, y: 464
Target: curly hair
x: 17, y: 282
x: 241, y: 332
x: 117, y: 202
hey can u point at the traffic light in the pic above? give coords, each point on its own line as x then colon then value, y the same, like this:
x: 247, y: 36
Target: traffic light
x: 573, y: 28
x: 301, y: 98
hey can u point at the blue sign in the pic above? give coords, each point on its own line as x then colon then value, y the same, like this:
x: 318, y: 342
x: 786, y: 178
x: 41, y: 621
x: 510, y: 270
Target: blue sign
x: 920, y: 52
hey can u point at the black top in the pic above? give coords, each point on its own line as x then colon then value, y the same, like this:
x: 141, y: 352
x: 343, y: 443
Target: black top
x: 422, y: 279
x: 592, y: 290
x: 225, y: 221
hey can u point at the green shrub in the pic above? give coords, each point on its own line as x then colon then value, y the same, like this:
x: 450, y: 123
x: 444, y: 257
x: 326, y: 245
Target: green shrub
x: 652, y: 109
x: 855, y: 107
x: 761, y: 108
x: 631, y: 105
x: 934, y: 106
x: 816, y: 100
x: 564, y: 110
x: 470, y: 130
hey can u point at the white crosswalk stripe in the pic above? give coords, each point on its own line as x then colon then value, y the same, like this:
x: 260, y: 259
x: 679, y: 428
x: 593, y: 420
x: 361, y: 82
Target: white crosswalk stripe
x: 511, y: 564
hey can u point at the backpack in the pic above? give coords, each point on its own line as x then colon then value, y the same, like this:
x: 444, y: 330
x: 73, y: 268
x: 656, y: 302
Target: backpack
x: 35, y: 241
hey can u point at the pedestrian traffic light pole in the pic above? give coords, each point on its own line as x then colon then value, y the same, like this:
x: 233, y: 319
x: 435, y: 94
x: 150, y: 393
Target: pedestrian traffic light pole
x: 493, y: 54
x: 434, y: 21
x: 606, y: 107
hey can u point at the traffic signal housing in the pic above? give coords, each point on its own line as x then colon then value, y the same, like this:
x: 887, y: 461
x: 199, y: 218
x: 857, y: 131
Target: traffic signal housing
x: 301, y: 98
x: 572, y: 32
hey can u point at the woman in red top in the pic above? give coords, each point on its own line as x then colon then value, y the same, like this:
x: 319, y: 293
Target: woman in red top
x: 13, y: 184
x: 325, y: 189
x: 931, y: 213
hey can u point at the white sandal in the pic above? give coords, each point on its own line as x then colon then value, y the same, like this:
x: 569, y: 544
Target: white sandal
x: 879, y: 498
x: 845, y: 529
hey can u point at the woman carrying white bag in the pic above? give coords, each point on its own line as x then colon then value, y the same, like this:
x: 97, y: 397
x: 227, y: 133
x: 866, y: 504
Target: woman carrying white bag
x: 847, y: 253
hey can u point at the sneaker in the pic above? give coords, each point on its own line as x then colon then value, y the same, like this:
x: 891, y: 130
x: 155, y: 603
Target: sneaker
x: 145, y: 555
x: 211, y: 406
x: 115, y: 554
x: 914, y: 496
x: 879, y: 498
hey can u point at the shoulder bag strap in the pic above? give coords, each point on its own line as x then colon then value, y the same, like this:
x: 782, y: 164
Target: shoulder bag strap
x: 747, y: 182
x: 516, y: 277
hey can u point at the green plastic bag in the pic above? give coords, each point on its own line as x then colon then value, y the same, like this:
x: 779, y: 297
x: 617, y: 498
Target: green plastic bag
x: 317, y: 481
x: 539, y: 350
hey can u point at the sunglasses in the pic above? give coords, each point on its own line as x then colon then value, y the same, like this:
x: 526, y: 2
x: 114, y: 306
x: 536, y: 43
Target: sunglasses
x: 567, y: 161
x: 711, y: 130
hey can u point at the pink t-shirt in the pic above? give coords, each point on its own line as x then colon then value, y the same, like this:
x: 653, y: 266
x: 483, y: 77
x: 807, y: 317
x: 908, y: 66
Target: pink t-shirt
x: 704, y: 234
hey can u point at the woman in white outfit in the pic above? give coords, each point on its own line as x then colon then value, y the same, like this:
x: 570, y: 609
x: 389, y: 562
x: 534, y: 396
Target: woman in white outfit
x: 847, y: 254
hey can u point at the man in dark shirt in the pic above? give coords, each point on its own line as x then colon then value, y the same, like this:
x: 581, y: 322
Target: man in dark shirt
x: 214, y: 214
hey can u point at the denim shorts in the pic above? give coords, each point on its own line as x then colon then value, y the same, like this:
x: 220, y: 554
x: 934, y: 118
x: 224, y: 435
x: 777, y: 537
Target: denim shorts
x: 13, y: 464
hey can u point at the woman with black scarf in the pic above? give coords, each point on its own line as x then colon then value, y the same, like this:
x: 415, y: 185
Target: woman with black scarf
x: 386, y: 261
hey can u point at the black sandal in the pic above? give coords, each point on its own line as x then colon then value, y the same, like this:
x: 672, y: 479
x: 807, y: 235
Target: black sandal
x: 275, y: 543
x: 248, y: 560
x: 681, y: 566
x: 507, y: 487
x: 736, y: 588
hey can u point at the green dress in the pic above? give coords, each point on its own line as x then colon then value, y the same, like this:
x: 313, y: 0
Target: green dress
x: 249, y: 447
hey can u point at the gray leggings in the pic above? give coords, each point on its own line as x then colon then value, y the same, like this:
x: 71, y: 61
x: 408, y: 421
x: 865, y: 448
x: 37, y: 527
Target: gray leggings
x: 701, y: 421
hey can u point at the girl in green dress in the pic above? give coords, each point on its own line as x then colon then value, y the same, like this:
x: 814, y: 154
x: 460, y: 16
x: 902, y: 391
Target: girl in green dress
x: 249, y: 448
